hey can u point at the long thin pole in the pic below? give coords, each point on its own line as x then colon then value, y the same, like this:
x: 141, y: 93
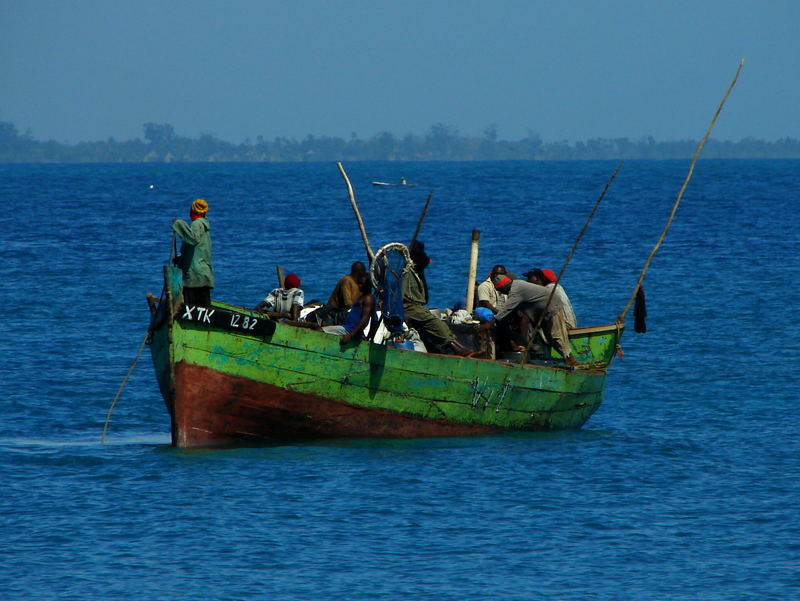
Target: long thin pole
x: 621, y: 317
x: 568, y: 259
x: 586, y: 224
x: 473, y: 269
x: 421, y: 219
x: 370, y: 254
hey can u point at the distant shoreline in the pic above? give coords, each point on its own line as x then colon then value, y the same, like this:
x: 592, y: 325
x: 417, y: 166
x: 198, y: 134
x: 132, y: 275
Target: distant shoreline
x: 161, y: 144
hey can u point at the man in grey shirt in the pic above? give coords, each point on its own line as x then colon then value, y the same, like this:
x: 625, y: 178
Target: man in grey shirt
x: 547, y: 278
x: 531, y: 300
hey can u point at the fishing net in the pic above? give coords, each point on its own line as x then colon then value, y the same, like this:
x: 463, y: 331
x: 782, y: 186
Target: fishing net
x: 386, y: 272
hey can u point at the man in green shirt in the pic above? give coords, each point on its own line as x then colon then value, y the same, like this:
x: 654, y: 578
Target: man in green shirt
x: 415, y: 296
x: 195, y: 257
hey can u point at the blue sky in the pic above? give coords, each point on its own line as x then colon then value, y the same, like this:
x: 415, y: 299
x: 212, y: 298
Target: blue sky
x: 87, y: 70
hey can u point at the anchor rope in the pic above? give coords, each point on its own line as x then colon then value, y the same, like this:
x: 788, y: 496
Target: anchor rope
x: 122, y: 386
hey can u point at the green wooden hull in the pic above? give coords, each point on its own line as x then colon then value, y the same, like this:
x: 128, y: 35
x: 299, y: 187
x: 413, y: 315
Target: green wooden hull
x: 223, y: 385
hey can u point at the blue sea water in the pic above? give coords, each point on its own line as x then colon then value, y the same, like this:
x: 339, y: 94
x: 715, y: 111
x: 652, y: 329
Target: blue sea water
x: 684, y: 485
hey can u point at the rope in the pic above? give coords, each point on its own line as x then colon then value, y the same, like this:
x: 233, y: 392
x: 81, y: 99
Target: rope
x: 621, y: 317
x: 531, y: 337
x: 173, y: 255
x: 122, y: 386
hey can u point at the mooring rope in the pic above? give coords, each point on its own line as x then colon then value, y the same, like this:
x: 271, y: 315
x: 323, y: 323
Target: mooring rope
x: 621, y: 317
x: 172, y: 255
x: 122, y: 386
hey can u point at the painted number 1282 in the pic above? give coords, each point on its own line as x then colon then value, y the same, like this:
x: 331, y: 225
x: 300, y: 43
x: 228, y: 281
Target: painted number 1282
x: 247, y: 322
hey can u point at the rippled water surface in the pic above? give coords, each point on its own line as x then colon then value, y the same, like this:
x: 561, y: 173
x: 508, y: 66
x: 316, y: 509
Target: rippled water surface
x: 684, y: 485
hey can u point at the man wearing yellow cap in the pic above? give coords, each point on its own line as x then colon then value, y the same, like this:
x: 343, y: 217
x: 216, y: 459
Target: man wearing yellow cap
x: 195, y: 257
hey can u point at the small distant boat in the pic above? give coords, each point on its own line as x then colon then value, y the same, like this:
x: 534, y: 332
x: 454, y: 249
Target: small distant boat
x: 402, y: 182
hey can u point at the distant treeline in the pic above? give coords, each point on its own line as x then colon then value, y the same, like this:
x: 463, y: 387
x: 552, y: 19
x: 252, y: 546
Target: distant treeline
x: 440, y: 143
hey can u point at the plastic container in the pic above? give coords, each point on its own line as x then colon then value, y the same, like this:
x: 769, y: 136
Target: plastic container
x: 406, y: 344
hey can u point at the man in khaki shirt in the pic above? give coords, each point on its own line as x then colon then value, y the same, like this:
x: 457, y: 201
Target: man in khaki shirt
x: 488, y: 295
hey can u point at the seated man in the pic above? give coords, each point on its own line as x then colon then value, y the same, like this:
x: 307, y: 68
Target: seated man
x: 415, y: 296
x: 348, y: 289
x: 346, y: 292
x: 358, y: 317
x: 287, y: 301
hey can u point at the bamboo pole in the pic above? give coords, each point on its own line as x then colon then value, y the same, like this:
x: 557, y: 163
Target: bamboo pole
x: 586, y: 224
x: 370, y: 254
x: 280, y: 276
x: 473, y: 270
x: 621, y: 318
x: 531, y: 337
x: 421, y: 219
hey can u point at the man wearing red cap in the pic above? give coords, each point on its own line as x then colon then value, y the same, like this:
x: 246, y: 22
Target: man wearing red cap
x: 506, y: 336
x: 287, y: 300
x: 532, y: 300
x: 547, y: 278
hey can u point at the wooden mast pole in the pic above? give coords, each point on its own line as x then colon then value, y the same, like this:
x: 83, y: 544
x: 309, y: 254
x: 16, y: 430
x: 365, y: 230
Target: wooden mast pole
x: 370, y: 254
x: 473, y: 270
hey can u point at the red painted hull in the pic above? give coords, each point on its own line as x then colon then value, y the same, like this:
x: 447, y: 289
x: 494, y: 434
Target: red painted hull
x: 212, y: 408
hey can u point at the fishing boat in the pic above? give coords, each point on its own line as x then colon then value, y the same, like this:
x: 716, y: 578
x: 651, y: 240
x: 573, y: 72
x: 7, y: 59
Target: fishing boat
x: 231, y: 376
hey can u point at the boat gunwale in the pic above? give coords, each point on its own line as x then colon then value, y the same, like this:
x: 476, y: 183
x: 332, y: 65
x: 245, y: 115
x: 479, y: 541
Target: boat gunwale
x: 583, y: 368
x: 615, y: 328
